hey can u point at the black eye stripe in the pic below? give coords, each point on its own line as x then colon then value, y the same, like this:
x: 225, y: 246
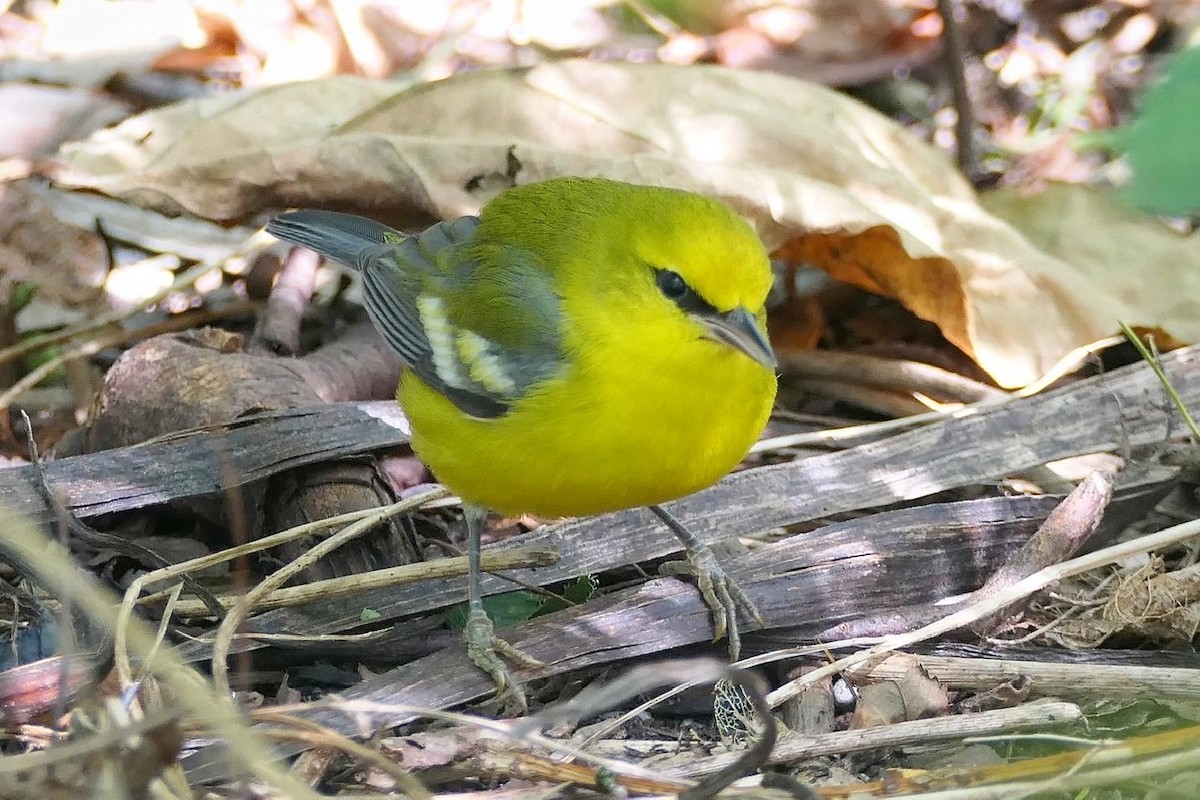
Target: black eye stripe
x: 676, y: 289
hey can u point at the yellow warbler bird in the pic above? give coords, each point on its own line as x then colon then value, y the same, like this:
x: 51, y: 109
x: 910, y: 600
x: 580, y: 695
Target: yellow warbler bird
x: 581, y: 346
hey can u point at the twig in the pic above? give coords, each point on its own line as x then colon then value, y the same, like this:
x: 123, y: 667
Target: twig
x: 233, y: 619
x: 187, y: 278
x: 99, y: 540
x: 278, y: 329
x: 1035, y: 582
x: 134, y: 591
x: 452, y: 566
x: 1085, y: 682
x: 809, y: 364
x: 952, y: 57
x: 697, y: 670
x: 894, y: 374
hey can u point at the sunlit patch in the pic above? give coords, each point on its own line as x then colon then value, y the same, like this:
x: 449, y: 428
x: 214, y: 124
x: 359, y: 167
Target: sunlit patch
x: 137, y: 284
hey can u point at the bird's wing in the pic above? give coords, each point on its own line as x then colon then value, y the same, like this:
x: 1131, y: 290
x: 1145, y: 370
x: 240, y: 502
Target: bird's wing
x: 478, y: 323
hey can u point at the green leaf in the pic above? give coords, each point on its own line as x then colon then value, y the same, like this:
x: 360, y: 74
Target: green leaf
x: 1161, y: 145
x: 506, y: 609
x: 22, y: 294
x: 512, y: 608
x: 573, y: 593
x: 37, y: 358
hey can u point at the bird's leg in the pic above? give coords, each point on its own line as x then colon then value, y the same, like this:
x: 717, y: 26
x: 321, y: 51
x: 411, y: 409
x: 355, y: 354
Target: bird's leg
x: 721, y: 593
x: 484, y: 647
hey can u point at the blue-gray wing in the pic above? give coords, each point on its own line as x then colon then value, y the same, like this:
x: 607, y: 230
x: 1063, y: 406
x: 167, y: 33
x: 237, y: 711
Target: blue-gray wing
x: 418, y: 290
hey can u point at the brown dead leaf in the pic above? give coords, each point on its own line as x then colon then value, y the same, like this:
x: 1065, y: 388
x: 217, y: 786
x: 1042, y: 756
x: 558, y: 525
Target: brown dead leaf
x: 65, y: 263
x: 822, y: 176
x: 915, y: 695
x: 227, y: 156
x: 1163, y: 608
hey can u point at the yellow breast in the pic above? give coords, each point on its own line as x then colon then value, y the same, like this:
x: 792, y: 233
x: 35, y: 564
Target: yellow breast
x: 631, y: 423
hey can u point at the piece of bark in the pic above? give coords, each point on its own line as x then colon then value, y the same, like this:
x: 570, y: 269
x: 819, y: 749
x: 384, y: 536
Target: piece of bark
x: 1120, y: 409
x: 956, y: 452
x: 942, y: 550
x: 278, y: 329
x: 801, y: 583
x: 1065, y: 530
x: 187, y: 464
x: 177, y: 382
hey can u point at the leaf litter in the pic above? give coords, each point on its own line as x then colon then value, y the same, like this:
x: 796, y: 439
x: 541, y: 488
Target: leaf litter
x: 1014, y: 279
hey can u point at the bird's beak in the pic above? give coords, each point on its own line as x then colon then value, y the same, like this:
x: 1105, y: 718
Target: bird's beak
x: 738, y: 329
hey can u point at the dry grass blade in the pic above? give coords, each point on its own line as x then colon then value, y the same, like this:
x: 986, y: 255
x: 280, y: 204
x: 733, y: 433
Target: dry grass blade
x: 641, y: 679
x: 990, y: 605
x: 236, y: 615
x: 449, y: 567
x: 56, y: 572
x: 1155, y: 363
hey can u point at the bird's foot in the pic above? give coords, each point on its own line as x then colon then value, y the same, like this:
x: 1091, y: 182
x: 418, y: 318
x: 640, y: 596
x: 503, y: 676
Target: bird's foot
x: 721, y: 593
x: 489, y: 652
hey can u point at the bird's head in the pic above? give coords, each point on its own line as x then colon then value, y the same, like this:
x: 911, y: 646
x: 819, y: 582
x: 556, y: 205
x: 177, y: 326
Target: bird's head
x: 663, y: 267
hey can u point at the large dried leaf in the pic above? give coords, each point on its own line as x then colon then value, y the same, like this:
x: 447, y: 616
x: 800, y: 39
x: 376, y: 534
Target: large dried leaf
x: 824, y: 178
x: 1120, y: 264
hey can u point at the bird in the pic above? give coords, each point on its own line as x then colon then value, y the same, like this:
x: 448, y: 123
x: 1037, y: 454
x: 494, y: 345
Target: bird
x: 582, y: 345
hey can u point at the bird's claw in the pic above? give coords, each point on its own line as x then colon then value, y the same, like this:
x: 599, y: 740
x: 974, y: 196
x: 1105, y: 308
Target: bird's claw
x: 721, y: 593
x: 489, y: 652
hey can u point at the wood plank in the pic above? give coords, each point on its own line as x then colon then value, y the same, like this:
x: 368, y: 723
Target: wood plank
x: 207, y: 460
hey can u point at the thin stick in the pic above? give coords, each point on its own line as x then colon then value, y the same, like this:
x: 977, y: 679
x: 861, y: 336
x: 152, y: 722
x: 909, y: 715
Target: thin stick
x: 990, y: 605
x: 187, y: 278
x: 121, y: 654
x: 59, y: 576
x: 235, y: 616
x: 952, y: 57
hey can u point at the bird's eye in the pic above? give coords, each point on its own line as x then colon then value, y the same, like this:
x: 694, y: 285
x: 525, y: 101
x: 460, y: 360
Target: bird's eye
x: 671, y: 284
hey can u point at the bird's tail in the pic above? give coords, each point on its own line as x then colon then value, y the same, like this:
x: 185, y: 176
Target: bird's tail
x: 341, y: 237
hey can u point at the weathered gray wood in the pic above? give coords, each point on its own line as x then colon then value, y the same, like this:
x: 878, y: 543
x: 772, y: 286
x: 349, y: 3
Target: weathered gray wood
x: 808, y: 582
x: 206, y: 460
x: 1126, y: 406
x: 804, y: 584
